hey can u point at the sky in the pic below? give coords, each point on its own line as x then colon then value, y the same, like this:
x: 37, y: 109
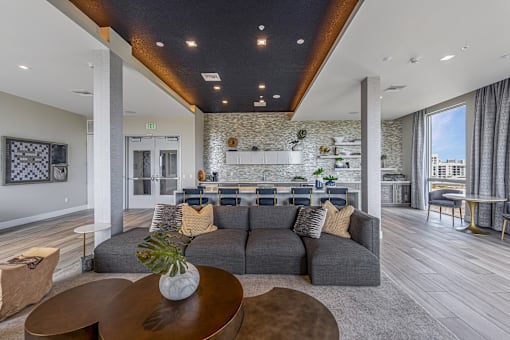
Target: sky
x: 449, y: 133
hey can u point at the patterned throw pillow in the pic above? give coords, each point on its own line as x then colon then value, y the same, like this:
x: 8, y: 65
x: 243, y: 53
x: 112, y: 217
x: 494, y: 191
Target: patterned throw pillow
x: 310, y: 221
x: 337, y: 221
x: 196, y: 222
x: 166, y: 217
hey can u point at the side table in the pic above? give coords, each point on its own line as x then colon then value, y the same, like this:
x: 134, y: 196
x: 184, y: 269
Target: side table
x: 85, y: 229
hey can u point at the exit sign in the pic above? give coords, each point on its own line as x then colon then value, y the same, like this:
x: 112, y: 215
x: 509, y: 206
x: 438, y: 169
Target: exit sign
x: 150, y: 126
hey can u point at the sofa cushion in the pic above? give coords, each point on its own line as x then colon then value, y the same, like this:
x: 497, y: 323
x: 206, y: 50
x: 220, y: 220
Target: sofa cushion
x: 166, y: 216
x: 275, y: 251
x: 337, y: 221
x: 310, y: 221
x: 334, y: 260
x: 224, y: 248
x: 117, y: 254
x: 232, y: 217
x: 199, y: 222
x: 281, y: 217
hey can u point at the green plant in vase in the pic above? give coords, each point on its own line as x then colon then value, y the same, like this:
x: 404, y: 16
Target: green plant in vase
x: 318, y: 178
x: 162, y: 253
x: 339, y: 163
x: 330, y: 180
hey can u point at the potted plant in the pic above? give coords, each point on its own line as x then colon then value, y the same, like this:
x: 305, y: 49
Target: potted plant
x: 339, y: 163
x: 161, y: 252
x: 318, y: 178
x: 330, y: 180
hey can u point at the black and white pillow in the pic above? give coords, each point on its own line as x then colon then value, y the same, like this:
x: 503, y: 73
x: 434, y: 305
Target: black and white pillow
x: 166, y: 217
x: 310, y: 221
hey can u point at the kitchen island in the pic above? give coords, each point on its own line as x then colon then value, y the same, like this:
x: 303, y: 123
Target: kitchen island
x: 248, y: 195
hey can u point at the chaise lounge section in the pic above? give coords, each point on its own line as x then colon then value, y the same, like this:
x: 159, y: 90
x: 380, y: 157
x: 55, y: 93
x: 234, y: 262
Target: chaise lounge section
x: 260, y: 240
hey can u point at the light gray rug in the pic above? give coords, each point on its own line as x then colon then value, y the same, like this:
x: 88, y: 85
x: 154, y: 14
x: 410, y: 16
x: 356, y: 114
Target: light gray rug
x: 383, y: 312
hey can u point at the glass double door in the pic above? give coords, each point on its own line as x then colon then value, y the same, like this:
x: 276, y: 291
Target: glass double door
x: 153, y: 170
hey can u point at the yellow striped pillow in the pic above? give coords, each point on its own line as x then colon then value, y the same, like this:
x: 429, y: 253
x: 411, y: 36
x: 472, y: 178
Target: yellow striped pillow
x: 195, y: 222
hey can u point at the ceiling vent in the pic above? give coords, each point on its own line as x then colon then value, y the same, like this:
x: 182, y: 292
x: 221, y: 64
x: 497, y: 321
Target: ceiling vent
x: 395, y: 88
x: 260, y: 103
x: 84, y: 93
x: 211, y: 76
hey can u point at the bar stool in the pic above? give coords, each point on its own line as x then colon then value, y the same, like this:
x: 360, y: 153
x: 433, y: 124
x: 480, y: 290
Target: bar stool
x: 266, y: 200
x: 235, y: 201
x: 337, y: 201
x: 301, y: 200
x: 194, y: 200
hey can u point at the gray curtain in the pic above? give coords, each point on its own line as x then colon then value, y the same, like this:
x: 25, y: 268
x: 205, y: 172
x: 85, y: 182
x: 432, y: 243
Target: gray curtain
x: 418, y: 162
x: 490, y: 165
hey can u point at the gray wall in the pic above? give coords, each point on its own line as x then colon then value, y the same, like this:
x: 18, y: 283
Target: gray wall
x: 274, y: 131
x: 31, y: 120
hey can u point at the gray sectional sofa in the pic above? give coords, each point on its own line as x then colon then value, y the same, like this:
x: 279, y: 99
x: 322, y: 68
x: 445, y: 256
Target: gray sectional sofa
x: 260, y: 240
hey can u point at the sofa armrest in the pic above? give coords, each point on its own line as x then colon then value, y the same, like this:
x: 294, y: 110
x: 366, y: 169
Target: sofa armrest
x: 364, y: 229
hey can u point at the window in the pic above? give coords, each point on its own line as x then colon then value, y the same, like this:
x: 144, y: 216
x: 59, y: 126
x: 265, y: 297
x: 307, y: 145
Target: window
x: 447, y: 148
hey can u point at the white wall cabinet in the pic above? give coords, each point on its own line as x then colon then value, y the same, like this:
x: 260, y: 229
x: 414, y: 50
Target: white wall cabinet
x: 264, y: 157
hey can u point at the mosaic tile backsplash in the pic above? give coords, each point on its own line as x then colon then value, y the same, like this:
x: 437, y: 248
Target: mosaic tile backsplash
x: 275, y: 131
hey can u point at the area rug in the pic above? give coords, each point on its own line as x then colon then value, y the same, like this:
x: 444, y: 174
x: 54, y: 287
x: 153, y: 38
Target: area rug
x: 383, y: 312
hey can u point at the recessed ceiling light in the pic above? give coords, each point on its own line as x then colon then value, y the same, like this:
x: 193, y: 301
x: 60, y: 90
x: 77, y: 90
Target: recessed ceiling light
x: 262, y: 86
x: 447, y: 57
x: 191, y: 43
x: 261, y: 42
x: 276, y: 96
x: 211, y: 76
x: 216, y: 87
x: 24, y: 67
x: 261, y: 97
x: 261, y: 27
x: 300, y: 41
x: 380, y: 97
x: 414, y: 60
x: 464, y: 48
x: 159, y: 44
x: 387, y: 58
x: 224, y: 101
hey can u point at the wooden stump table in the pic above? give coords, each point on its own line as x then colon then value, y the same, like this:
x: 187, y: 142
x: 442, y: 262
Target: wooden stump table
x: 139, y: 312
x: 74, y: 313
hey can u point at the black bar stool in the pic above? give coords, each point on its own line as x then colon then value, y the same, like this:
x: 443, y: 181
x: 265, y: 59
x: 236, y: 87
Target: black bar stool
x: 337, y: 201
x: 266, y: 200
x: 301, y: 200
x: 235, y: 201
x: 194, y: 200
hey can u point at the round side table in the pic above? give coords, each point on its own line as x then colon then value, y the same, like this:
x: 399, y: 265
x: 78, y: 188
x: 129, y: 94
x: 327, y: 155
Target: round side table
x: 90, y: 228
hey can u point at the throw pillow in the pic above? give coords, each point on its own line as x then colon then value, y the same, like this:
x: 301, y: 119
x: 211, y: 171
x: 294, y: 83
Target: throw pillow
x: 195, y: 222
x: 337, y: 221
x: 310, y: 221
x: 166, y: 217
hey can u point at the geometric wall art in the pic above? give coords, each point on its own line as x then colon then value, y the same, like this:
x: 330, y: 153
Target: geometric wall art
x: 30, y: 161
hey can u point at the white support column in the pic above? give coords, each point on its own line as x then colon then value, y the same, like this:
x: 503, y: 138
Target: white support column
x: 108, y: 139
x: 371, y: 146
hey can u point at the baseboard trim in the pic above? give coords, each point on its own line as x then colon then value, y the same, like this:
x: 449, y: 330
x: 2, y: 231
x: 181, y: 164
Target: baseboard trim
x: 40, y: 217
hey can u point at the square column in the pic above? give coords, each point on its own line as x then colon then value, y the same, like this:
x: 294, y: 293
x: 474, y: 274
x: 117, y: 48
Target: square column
x: 108, y: 143
x: 371, y: 146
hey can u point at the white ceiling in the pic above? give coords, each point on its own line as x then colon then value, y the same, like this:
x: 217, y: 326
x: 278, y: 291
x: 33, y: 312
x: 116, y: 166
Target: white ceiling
x: 404, y: 29
x: 58, y: 51
x: 36, y: 34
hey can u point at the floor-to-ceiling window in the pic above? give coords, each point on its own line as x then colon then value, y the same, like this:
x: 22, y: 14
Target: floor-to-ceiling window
x: 447, y: 148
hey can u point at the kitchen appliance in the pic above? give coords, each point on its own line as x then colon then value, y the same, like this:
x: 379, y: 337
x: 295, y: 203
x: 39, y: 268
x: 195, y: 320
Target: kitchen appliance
x: 394, y: 177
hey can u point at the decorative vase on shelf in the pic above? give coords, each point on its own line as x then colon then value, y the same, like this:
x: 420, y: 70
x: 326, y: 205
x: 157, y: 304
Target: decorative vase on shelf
x: 180, y: 286
x: 319, y: 183
x: 330, y: 183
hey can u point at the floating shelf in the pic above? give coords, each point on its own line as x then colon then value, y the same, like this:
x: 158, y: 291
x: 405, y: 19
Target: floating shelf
x: 348, y: 144
x: 340, y: 156
x: 359, y: 169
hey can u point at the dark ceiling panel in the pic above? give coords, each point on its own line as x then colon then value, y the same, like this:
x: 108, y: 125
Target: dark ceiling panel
x: 226, y: 33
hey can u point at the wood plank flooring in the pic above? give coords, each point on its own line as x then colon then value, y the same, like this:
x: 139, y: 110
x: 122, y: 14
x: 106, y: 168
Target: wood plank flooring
x: 461, y: 280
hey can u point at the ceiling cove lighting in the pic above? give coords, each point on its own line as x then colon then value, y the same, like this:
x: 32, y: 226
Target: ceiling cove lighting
x: 261, y: 42
x: 447, y: 57
x: 217, y: 87
x: 159, y: 44
x: 191, y: 43
x: 262, y: 86
x: 24, y: 67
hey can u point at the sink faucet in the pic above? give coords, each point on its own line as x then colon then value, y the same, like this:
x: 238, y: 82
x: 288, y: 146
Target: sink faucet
x: 264, y: 175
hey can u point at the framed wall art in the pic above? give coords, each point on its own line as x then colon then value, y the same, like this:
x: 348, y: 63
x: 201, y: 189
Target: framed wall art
x: 26, y: 161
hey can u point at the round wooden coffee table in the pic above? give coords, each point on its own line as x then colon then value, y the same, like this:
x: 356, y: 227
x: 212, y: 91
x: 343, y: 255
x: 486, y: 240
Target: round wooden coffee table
x: 73, y: 313
x: 141, y: 312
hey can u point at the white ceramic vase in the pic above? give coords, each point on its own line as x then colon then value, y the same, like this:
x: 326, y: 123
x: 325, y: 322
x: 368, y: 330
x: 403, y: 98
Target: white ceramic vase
x: 180, y: 286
